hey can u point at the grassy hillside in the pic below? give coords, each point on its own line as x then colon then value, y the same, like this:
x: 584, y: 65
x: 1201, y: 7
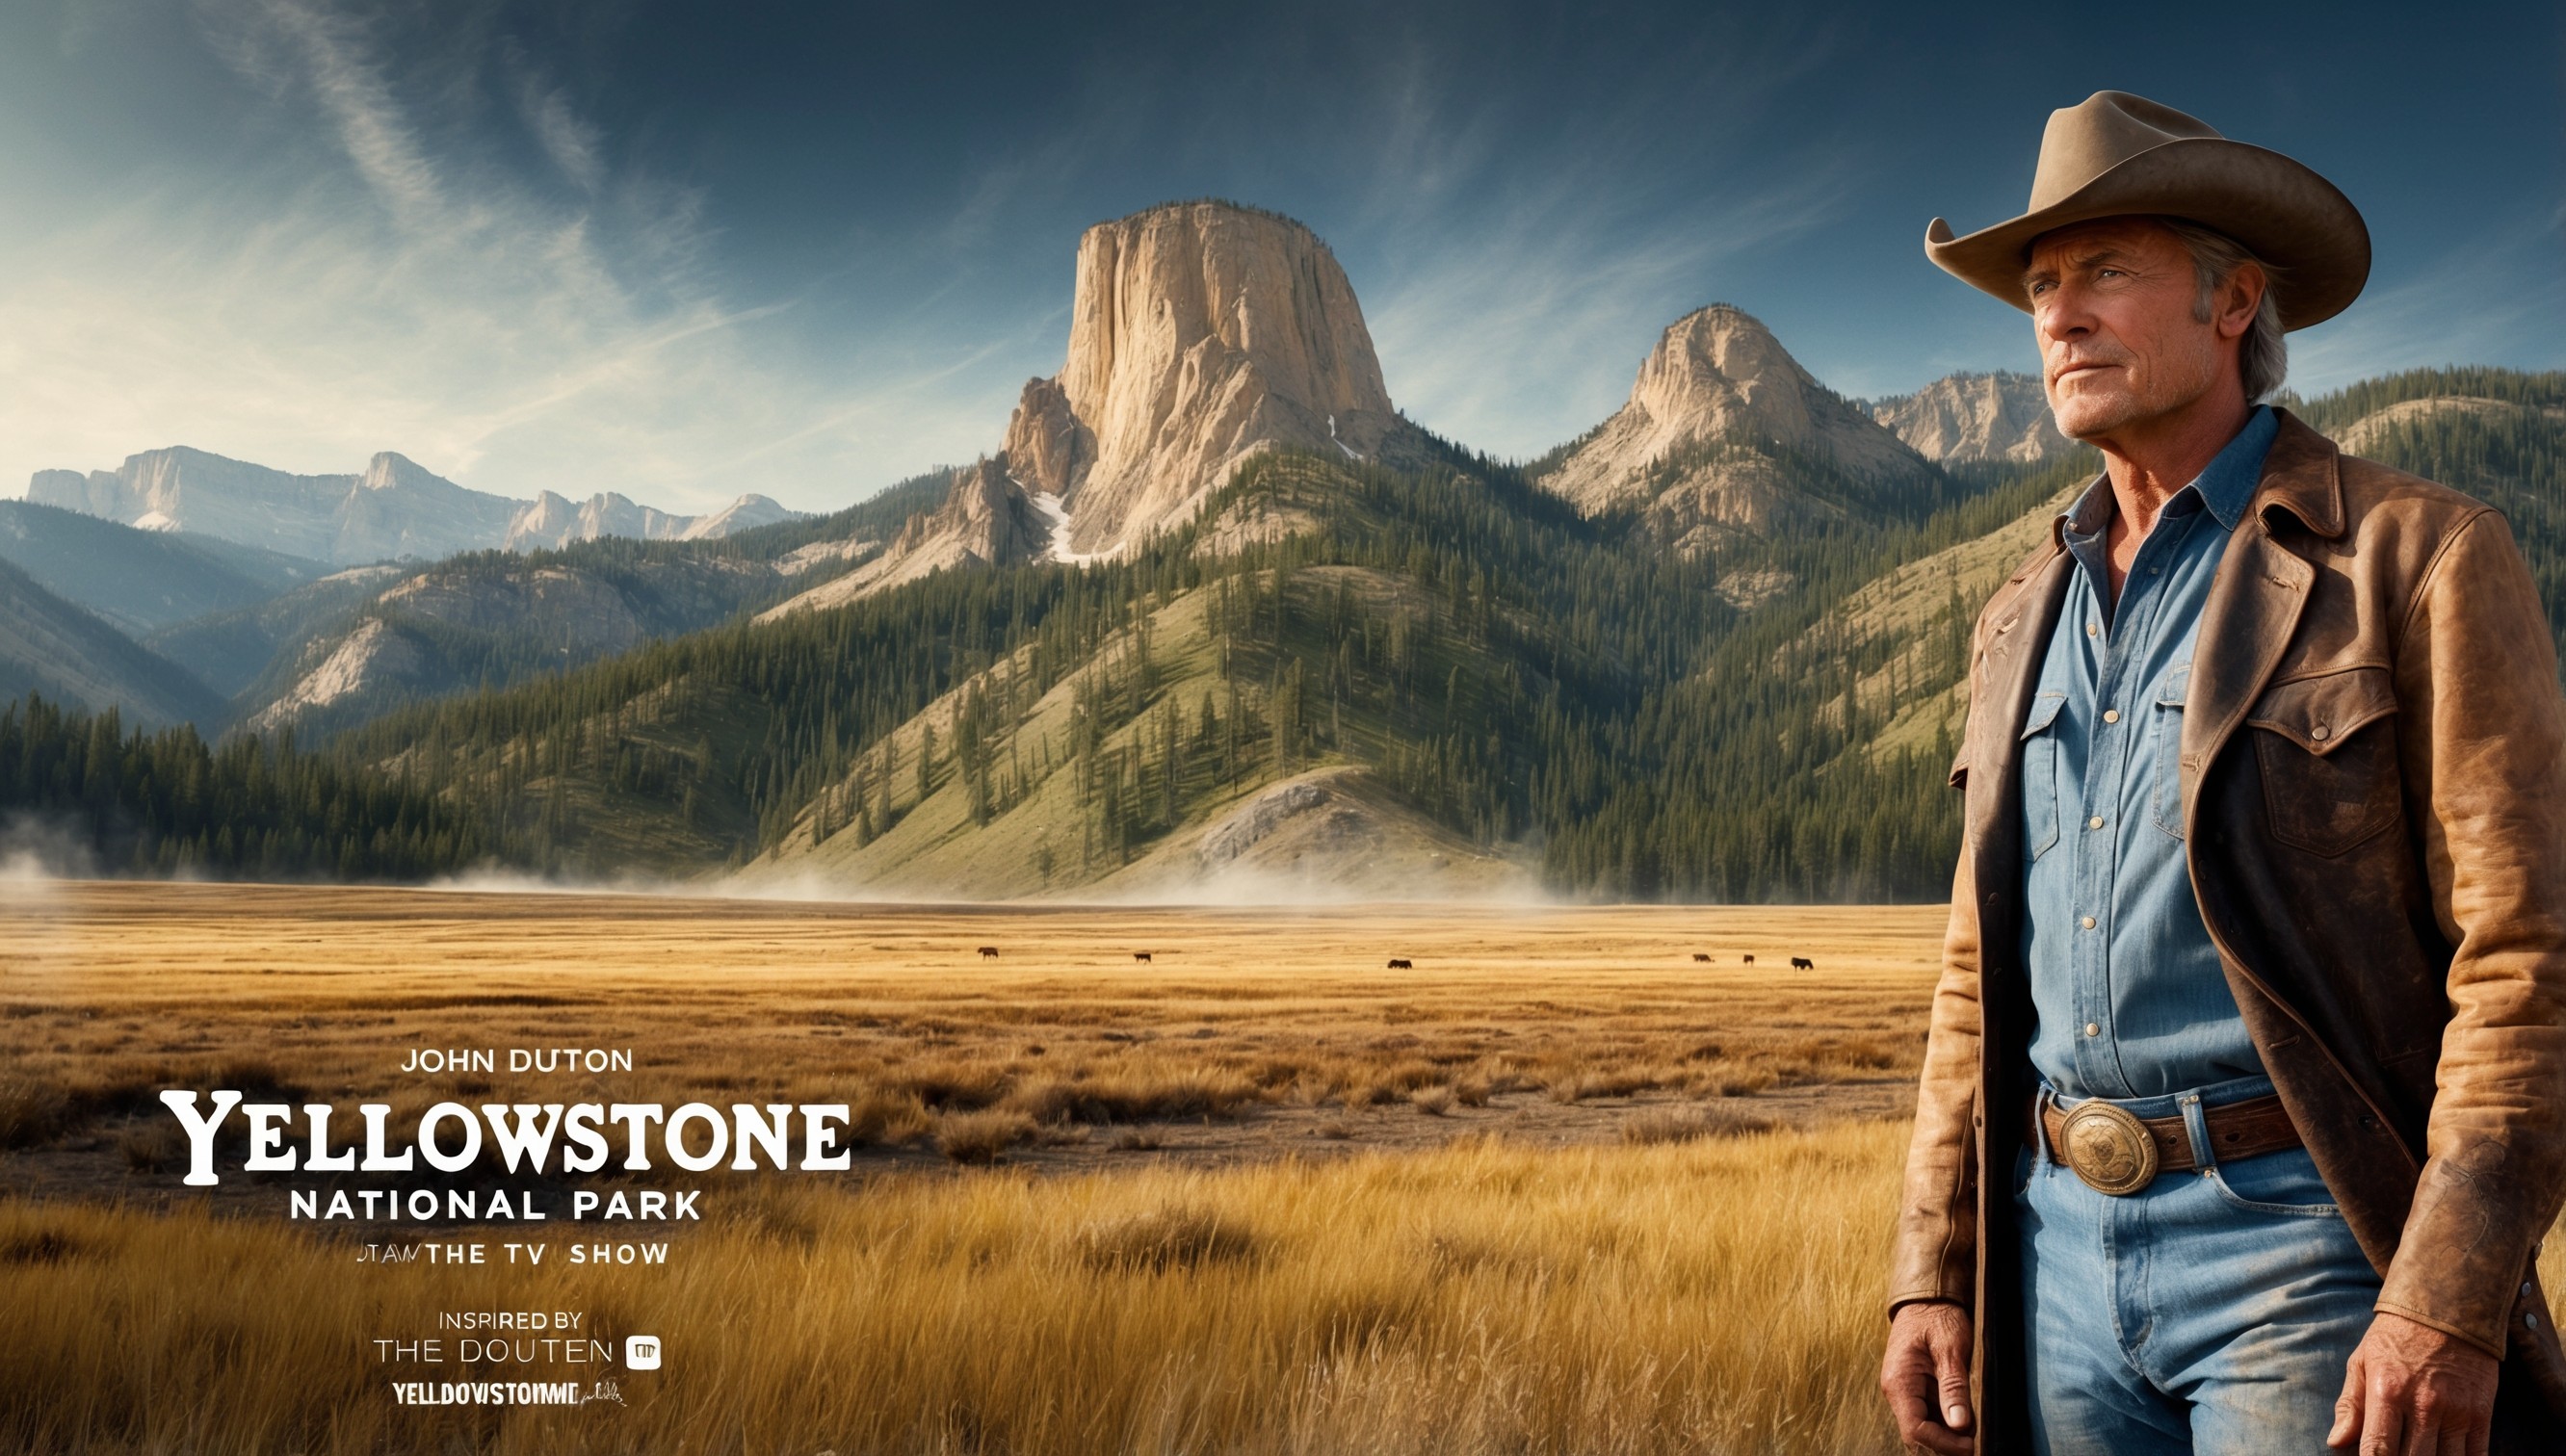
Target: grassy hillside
x: 1470, y: 647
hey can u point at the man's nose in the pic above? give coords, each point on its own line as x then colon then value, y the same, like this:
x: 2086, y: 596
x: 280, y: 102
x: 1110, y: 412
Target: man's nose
x: 2061, y: 313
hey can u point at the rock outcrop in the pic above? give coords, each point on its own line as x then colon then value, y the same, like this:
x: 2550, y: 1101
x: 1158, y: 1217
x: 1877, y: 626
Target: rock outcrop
x: 1724, y: 434
x: 1977, y: 417
x: 1199, y: 332
x: 395, y: 508
x: 987, y: 520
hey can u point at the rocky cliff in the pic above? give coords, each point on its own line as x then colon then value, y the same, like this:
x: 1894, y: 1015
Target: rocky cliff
x: 394, y: 508
x: 1724, y: 433
x: 1199, y: 332
x: 1977, y: 417
x: 987, y: 520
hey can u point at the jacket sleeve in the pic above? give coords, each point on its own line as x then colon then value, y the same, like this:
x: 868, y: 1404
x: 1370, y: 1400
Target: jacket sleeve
x: 1935, y: 1249
x: 2482, y: 737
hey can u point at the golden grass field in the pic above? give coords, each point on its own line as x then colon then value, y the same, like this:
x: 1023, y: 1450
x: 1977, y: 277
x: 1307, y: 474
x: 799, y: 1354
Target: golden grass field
x: 1258, y: 1194
x: 1558, y: 1187
x: 1248, y: 1031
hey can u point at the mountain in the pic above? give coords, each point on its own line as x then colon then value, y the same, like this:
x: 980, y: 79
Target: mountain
x: 50, y: 646
x: 141, y: 579
x: 987, y: 520
x: 371, y: 639
x: 1340, y: 677
x: 554, y: 521
x: 1725, y: 436
x: 230, y: 651
x: 1199, y: 332
x: 394, y: 509
x: 1999, y: 417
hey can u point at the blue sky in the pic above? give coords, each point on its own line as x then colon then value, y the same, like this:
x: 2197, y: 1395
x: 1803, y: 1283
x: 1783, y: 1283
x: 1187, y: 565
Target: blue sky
x: 687, y: 250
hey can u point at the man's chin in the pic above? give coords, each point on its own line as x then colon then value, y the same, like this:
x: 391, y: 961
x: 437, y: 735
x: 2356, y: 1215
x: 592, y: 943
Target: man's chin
x: 2086, y: 417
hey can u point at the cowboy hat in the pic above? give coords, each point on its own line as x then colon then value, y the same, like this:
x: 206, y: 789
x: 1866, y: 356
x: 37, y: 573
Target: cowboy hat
x: 2119, y: 154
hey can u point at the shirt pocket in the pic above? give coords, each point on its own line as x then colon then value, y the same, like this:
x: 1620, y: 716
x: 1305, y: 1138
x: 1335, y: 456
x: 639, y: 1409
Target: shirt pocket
x: 2165, y: 744
x: 2040, y: 771
x: 2327, y: 748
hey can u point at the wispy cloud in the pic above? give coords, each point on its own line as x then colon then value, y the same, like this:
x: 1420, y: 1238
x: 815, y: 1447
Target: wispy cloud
x: 387, y: 287
x: 1524, y: 280
x: 2496, y: 300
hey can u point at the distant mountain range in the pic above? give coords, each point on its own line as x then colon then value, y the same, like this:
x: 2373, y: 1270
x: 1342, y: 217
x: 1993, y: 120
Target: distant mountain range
x: 1212, y: 617
x: 1976, y: 418
x: 395, y: 509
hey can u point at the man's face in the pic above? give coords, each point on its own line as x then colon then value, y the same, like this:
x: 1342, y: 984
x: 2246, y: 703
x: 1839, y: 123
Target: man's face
x: 2111, y: 304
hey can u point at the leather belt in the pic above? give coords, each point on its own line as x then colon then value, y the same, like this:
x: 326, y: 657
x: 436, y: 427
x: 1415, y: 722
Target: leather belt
x: 2114, y: 1151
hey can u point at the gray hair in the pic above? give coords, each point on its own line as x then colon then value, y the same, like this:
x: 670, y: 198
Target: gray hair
x: 2261, y: 357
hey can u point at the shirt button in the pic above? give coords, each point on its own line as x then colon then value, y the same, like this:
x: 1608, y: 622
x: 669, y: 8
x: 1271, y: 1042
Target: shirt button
x: 2113, y: 715
x: 2095, y: 823
x: 2087, y: 922
x: 2092, y: 1030
x: 2093, y: 628
x: 2319, y: 731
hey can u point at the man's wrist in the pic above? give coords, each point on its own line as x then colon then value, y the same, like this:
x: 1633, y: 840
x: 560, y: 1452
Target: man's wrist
x: 2438, y: 1327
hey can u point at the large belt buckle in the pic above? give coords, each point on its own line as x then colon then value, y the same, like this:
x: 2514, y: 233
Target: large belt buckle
x: 2108, y: 1147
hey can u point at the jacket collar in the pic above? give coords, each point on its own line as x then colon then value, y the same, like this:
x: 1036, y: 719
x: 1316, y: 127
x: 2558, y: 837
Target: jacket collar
x: 2301, y: 476
x: 2297, y: 474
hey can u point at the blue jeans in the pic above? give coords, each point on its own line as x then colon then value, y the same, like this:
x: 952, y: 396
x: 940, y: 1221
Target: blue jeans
x: 2208, y: 1311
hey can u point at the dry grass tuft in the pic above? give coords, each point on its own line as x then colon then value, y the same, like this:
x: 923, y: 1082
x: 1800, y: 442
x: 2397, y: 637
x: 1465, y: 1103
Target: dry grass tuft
x: 1165, y: 1237
x: 1686, y: 1124
x: 41, y: 1246
x: 150, y: 1148
x: 979, y: 1137
x: 31, y: 1114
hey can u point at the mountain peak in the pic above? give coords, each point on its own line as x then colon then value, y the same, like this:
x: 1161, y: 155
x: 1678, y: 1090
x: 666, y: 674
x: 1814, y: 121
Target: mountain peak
x: 391, y: 470
x: 1199, y: 332
x: 1699, y: 445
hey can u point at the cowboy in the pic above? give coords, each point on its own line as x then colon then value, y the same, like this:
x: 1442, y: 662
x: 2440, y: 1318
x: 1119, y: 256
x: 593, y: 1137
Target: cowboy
x: 2243, y: 1109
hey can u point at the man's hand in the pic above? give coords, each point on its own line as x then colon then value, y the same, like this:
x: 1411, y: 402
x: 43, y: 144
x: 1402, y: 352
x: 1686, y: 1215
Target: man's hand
x: 2410, y: 1388
x: 1925, y: 1377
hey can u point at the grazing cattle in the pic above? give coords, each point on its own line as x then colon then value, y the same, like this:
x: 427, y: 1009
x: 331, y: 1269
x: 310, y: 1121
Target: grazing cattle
x: 1402, y: 963
x: 1700, y: 958
x: 988, y: 952
x: 1751, y: 960
x: 1803, y: 963
x: 1139, y: 955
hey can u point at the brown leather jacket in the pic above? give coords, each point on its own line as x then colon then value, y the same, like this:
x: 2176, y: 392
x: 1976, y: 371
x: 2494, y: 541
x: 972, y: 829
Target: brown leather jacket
x: 2374, y: 793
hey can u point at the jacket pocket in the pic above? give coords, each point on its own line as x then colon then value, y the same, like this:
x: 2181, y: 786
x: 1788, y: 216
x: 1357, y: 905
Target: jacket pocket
x: 2165, y: 727
x: 2040, y: 771
x: 2327, y: 748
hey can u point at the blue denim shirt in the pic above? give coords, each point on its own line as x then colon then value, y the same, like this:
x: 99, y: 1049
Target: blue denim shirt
x: 2126, y: 985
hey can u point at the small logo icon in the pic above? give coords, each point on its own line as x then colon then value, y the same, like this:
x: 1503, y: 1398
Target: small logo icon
x: 642, y: 1353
